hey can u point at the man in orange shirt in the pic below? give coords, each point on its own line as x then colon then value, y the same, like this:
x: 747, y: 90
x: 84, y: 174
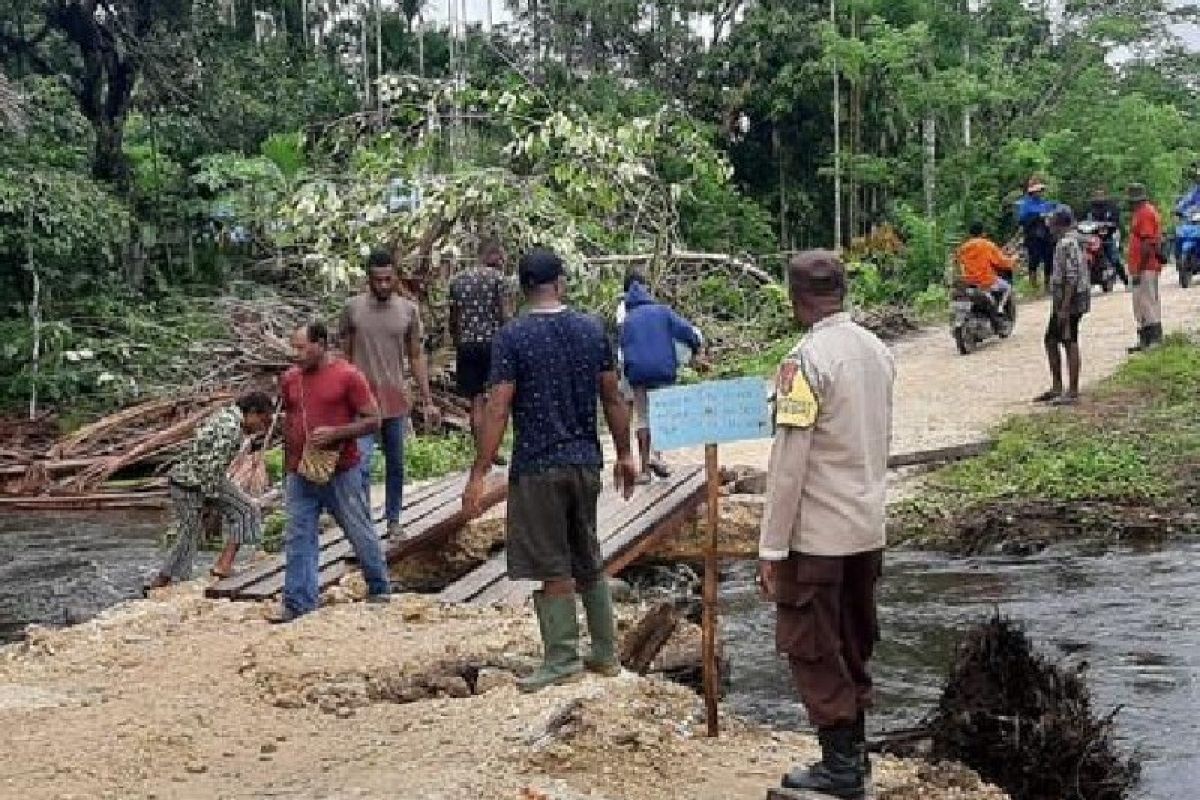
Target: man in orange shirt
x: 982, y: 262
x: 1145, y: 264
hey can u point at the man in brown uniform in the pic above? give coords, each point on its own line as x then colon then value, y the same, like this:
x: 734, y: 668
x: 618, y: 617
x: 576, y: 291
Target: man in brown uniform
x: 379, y: 329
x: 821, y: 547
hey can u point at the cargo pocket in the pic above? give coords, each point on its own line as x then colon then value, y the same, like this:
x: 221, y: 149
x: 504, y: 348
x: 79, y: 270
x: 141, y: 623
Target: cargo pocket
x: 807, y: 597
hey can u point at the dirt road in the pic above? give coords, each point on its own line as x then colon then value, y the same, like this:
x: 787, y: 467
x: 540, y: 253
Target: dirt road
x: 944, y: 399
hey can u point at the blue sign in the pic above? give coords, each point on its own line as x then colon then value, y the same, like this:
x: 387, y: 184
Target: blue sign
x: 713, y: 412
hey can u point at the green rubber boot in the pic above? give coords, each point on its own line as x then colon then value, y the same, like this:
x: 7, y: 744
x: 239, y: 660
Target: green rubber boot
x: 597, y: 605
x: 560, y: 642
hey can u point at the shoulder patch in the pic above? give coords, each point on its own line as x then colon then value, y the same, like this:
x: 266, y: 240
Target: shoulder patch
x: 795, y: 404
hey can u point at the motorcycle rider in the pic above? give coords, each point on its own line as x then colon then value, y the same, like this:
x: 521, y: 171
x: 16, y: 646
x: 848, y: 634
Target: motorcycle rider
x: 981, y: 262
x: 1188, y: 203
x: 1032, y: 210
x: 1104, y: 209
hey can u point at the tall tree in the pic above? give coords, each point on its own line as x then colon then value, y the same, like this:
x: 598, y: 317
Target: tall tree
x: 98, y: 48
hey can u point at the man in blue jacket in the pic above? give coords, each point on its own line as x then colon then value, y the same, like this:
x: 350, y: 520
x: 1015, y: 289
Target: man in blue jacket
x: 649, y: 334
x: 1032, y: 210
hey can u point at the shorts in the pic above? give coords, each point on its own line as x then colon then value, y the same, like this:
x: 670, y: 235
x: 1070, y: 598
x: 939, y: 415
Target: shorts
x: 641, y: 406
x: 551, y: 526
x: 1054, y: 333
x: 473, y: 365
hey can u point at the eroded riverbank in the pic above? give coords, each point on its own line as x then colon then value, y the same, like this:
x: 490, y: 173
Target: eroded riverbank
x: 185, y: 697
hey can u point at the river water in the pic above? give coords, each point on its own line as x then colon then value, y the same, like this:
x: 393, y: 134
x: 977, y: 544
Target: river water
x: 66, y: 568
x: 1132, y: 614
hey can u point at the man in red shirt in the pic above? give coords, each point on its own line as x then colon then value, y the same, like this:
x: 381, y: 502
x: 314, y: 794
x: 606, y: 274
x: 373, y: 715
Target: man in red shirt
x: 1145, y: 264
x: 328, y: 405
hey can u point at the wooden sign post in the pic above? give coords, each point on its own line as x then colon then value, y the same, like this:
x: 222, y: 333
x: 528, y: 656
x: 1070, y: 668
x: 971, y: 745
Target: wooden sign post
x: 710, y: 413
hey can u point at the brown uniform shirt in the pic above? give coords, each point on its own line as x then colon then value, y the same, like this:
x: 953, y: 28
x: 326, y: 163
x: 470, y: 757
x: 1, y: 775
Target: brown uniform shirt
x: 381, y: 335
x: 827, y: 480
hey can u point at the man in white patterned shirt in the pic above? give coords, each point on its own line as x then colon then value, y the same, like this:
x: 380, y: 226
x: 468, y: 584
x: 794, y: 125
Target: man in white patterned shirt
x: 1070, y: 298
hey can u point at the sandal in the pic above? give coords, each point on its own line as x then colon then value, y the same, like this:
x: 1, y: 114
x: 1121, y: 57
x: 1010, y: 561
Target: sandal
x: 216, y: 573
x: 1047, y: 396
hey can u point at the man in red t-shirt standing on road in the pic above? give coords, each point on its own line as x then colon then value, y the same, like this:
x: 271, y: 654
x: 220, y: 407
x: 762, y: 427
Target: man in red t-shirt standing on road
x: 1145, y: 264
x: 328, y: 405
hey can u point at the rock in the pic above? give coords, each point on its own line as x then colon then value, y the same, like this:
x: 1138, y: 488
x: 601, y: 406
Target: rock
x: 450, y: 685
x: 268, y: 747
x: 344, y: 712
x: 197, y: 768
x: 492, y: 678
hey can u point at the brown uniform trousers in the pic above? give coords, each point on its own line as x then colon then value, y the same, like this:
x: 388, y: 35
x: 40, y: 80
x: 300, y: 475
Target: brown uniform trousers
x: 827, y: 626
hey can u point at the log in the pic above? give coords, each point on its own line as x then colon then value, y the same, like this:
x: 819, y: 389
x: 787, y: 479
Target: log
x: 109, y: 501
x: 104, y: 468
x: 642, y: 644
x: 939, y: 455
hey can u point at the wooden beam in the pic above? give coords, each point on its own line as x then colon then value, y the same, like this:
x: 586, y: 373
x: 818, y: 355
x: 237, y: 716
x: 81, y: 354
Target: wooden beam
x: 940, y: 455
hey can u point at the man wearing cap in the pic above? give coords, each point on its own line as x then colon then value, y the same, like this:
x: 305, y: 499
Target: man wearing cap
x: 822, y: 538
x: 1031, y: 211
x: 1145, y: 264
x: 1070, y: 299
x: 548, y: 365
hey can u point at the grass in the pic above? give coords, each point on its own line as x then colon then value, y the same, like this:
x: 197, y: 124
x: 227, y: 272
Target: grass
x: 1135, y: 440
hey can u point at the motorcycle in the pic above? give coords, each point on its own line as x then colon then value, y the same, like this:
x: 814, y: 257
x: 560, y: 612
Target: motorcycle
x: 1103, y: 272
x: 973, y: 316
x: 1187, y: 237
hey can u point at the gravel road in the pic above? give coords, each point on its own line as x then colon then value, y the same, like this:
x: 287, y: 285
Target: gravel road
x: 945, y: 399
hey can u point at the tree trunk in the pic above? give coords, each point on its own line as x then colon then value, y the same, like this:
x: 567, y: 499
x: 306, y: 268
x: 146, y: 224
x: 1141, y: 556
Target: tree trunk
x: 929, y: 127
x: 109, y: 163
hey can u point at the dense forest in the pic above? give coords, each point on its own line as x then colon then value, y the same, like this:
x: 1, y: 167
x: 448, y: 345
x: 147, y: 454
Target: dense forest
x: 157, y: 154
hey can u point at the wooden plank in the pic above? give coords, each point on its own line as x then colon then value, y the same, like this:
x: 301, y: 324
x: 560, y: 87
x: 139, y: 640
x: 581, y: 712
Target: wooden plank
x: 338, y: 551
x: 434, y: 494
x: 427, y: 526
x: 938, y: 455
x: 622, y: 550
x: 495, y: 568
x: 98, y: 501
x: 506, y: 591
x: 655, y: 503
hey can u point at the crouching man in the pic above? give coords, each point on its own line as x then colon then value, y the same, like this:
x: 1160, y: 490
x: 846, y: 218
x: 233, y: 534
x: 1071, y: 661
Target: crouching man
x: 822, y: 539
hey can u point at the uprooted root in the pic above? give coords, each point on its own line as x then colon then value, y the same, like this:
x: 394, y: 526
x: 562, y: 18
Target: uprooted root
x: 1025, y: 724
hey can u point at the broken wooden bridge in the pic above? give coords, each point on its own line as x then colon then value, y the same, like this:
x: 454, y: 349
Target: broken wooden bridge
x: 431, y: 514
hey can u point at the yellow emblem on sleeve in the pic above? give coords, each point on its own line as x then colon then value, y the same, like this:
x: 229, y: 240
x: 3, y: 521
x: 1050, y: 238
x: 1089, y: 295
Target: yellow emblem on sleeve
x: 795, y: 404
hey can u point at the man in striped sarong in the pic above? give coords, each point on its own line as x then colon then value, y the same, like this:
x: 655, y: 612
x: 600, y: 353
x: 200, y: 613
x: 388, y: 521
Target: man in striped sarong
x: 201, y: 475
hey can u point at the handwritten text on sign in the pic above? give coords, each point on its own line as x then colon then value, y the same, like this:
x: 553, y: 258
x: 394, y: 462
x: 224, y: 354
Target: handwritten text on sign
x: 713, y: 412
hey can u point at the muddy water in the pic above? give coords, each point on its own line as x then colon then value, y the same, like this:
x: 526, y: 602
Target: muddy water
x: 1132, y: 615
x: 56, y: 569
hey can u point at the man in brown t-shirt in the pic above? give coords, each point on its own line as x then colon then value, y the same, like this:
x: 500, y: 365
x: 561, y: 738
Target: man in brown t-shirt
x: 379, y: 330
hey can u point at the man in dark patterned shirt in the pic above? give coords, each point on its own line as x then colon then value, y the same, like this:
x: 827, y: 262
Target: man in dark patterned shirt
x: 548, y: 365
x: 480, y: 304
x: 200, y: 476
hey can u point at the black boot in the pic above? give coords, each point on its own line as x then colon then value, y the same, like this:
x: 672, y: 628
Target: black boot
x: 860, y: 738
x: 840, y: 771
x: 1154, y: 334
x: 1141, y: 345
